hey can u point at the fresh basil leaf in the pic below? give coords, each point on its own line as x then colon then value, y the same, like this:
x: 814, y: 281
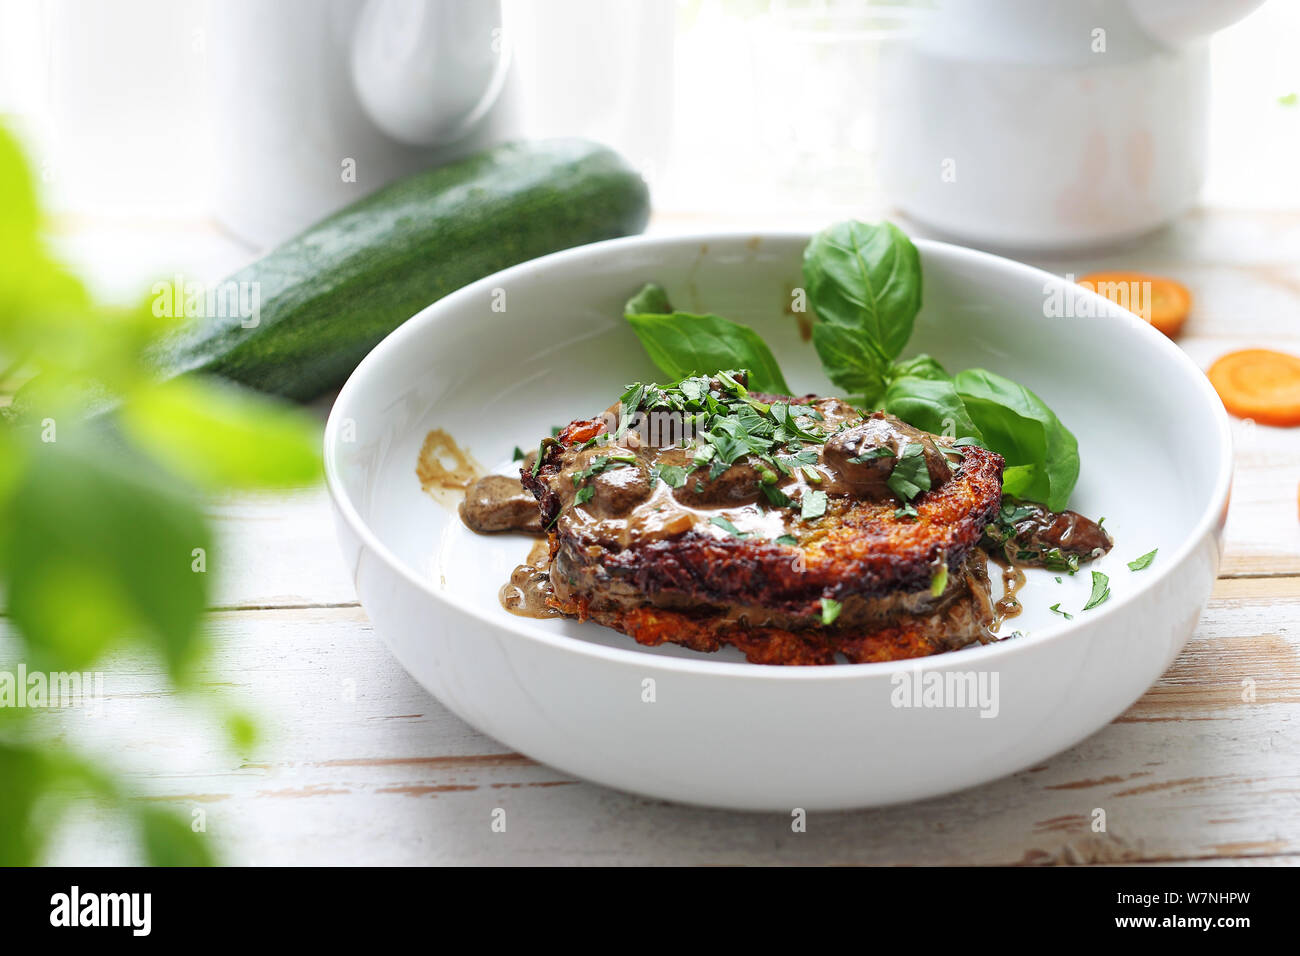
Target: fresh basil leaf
x: 1143, y: 562
x: 931, y: 405
x: 1042, y: 454
x: 922, y: 366
x: 866, y: 278
x: 850, y: 362
x: 42, y: 779
x: 222, y: 436
x: 1019, y: 479
x: 650, y: 300
x: 683, y: 344
x: 101, y: 548
x: 169, y: 839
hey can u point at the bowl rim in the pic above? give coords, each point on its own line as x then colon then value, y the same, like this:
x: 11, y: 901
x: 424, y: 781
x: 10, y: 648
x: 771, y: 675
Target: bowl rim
x: 983, y: 656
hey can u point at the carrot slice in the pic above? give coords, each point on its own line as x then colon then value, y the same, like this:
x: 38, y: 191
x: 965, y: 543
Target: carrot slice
x: 1162, y: 302
x: 1259, y: 384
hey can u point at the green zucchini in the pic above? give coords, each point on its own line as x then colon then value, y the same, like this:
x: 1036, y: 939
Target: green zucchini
x: 327, y: 297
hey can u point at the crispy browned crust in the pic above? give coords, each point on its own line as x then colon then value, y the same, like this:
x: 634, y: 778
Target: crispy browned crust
x: 686, y: 590
x: 575, y: 433
x: 953, y: 626
x: 858, y: 547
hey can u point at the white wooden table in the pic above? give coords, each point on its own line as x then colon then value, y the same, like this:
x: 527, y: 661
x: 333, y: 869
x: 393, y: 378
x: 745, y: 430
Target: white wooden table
x: 358, y: 765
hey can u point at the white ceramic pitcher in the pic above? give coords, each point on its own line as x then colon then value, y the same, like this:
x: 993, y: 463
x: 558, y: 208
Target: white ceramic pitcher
x: 317, y: 104
x: 1050, y: 124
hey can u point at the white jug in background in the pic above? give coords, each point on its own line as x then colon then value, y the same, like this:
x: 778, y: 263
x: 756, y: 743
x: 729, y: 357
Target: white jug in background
x: 317, y: 104
x: 1050, y: 124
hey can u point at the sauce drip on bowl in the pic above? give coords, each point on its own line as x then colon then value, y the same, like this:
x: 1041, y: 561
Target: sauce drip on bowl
x: 526, y: 593
x: 445, y: 470
x: 1009, y: 606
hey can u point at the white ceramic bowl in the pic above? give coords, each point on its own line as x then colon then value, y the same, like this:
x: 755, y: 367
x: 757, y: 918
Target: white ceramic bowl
x: 1156, y: 458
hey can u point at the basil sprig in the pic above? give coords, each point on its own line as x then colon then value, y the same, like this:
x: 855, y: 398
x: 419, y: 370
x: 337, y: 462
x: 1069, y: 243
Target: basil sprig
x: 863, y: 283
x: 686, y: 344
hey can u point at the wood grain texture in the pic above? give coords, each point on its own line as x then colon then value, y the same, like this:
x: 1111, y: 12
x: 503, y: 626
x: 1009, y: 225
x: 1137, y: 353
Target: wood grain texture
x: 359, y: 765
x: 277, y: 551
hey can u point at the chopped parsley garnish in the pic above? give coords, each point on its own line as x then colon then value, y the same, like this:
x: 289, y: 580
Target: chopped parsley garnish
x: 1144, y: 562
x: 812, y: 505
x: 775, y: 496
x: 907, y: 511
x: 1054, y: 559
x: 584, y: 495
x: 601, y: 463
x: 788, y: 540
x: 731, y: 427
x: 830, y: 610
x: 1011, y: 513
x: 1056, y: 608
x: 674, y: 476
x: 728, y: 527
x: 1100, y: 590
x: 518, y: 454
x: 541, y: 453
x: 939, y: 581
x: 788, y: 427
x: 871, y: 454
x: 911, y: 474
x: 1002, y: 533
x: 800, y: 459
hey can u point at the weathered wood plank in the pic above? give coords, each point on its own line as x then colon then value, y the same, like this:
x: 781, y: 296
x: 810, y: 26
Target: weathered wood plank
x: 360, y: 765
x: 277, y: 551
